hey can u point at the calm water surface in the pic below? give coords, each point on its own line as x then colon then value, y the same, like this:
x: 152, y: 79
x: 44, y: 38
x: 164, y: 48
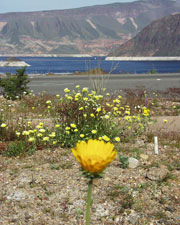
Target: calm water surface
x: 68, y: 65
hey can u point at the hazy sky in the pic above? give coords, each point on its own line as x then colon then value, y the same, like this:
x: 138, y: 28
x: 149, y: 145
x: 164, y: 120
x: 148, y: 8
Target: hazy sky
x: 38, y: 5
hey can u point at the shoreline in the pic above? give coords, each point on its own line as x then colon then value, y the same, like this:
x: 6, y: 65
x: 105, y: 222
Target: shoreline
x: 143, y: 58
x: 48, y: 55
x: 89, y: 75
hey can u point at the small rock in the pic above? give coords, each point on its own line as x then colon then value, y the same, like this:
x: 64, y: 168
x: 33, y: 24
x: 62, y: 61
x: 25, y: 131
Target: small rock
x: 96, y: 182
x: 165, y: 189
x: 27, y: 216
x: 157, y: 174
x: 101, y: 211
x: 163, y: 167
x: 14, y: 219
x: 170, y: 209
x: 107, y: 179
x: 140, y: 142
x: 143, y: 156
x: 17, y: 196
x: 133, y: 163
x: 117, y: 219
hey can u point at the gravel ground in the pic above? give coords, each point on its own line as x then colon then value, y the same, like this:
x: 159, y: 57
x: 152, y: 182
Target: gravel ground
x: 47, y: 188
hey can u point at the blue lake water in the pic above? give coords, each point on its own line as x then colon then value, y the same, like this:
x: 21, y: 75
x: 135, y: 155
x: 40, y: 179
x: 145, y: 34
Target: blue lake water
x: 43, y: 65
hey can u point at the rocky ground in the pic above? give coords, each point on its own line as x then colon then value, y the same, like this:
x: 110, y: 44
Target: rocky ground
x: 47, y: 188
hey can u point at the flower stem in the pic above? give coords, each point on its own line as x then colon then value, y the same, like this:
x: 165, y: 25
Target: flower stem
x: 89, y: 202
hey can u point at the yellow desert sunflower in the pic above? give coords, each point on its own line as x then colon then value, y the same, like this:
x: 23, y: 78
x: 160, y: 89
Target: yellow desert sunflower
x: 94, y: 155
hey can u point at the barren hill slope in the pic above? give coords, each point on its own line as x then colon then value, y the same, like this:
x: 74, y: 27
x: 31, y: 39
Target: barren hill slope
x: 160, y: 38
x: 94, y: 30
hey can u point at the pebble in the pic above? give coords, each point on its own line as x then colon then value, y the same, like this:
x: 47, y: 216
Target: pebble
x: 17, y: 196
x: 157, y: 174
x: 96, y: 182
x: 143, y: 156
x: 101, y: 211
x: 117, y: 219
x: 133, y: 163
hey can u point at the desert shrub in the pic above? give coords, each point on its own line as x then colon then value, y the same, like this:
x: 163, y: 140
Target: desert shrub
x: 79, y: 115
x: 85, y: 115
x: 17, y: 148
x: 15, y: 86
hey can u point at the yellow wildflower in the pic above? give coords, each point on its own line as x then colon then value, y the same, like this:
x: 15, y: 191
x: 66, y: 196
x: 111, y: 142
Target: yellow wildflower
x: 3, y: 125
x: 94, y: 131
x: 81, y: 135
x: 94, y: 155
x: 53, y: 134
x: 31, y: 131
x: 25, y: 133
x: 70, y: 97
x: 96, y: 97
x: 66, y: 90
x: 85, y: 90
x: 106, y: 138
x: 57, y: 125
x: 73, y: 125
x: 92, y: 115
x: 48, y: 102
x: 78, y: 95
x: 165, y: 121
x: 106, y: 116
x: 117, y: 139
x: 18, y: 133
x: 127, y: 112
x: 42, y: 130
x: 46, y: 139
x: 31, y: 139
x: 98, y: 109
x: 116, y: 101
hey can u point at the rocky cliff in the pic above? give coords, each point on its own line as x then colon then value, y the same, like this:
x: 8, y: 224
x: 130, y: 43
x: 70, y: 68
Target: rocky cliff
x: 91, y: 30
x: 160, y: 38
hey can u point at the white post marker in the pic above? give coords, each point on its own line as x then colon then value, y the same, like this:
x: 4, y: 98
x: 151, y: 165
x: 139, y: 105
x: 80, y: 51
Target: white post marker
x: 156, y: 151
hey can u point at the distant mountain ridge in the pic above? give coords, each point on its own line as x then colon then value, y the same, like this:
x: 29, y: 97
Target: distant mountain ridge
x: 160, y: 38
x: 94, y: 30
